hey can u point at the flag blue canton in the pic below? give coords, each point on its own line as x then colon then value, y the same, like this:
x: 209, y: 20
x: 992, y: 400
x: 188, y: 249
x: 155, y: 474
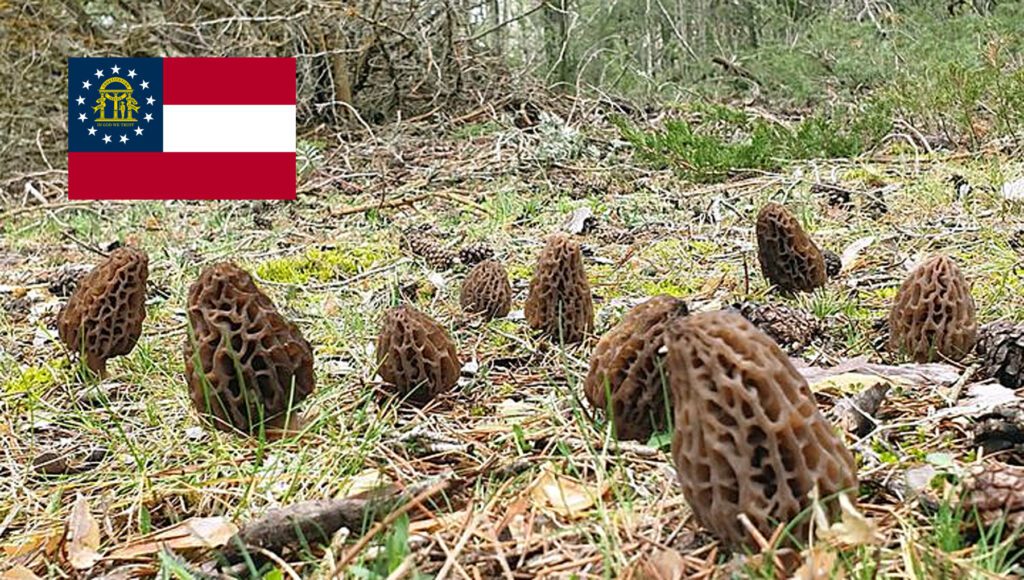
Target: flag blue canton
x: 115, y: 104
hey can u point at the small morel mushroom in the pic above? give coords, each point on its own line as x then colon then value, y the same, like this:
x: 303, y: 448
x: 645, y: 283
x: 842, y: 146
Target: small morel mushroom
x: 416, y: 355
x: 933, y: 315
x: 1001, y: 346
x: 628, y: 366
x: 103, y: 317
x: 559, y: 302
x: 789, y: 258
x: 486, y: 290
x: 749, y: 438
x: 247, y: 366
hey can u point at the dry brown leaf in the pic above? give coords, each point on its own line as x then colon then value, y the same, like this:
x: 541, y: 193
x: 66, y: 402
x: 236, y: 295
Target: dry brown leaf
x: 818, y: 566
x: 563, y: 495
x: 18, y: 573
x: 189, y: 534
x: 853, y: 529
x: 847, y: 383
x: 47, y: 541
x: 661, y: 565
x: 363, y: 481
x: 83, y: 539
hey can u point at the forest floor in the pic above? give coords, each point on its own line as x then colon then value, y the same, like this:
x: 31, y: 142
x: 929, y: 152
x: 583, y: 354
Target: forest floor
x: 522, y: 475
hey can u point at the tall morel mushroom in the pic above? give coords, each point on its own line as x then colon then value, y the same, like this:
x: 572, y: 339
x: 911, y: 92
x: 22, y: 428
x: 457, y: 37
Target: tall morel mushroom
x: 416, y: 355
x: 103, y: 317
x: 559, y: 302
x: 486, y: 290
x: 933, y: 315
x: 749, y: 438
x: 789, y: 258
x: 247, y: 366
x: 628, y: 367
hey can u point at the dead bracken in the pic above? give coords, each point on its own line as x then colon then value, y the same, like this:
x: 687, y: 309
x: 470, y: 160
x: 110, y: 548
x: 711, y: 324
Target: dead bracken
x: 559, y: 303
x: 247, y: 366
x: 486, y: 290
x: 789, y: 258
x: 749, y: 438
x: 103, y: 317
x: 933, y: 314
x: 416, y: 355
x: 628, y: 367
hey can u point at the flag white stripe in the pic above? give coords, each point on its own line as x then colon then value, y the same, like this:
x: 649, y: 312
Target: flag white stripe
x: 228, y: 128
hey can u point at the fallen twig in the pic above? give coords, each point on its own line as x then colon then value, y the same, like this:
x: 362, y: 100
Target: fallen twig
x: 316, y: 521
x: 391, y: 517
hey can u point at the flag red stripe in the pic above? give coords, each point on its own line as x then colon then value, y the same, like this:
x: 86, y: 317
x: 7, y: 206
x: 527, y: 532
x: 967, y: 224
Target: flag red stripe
x: 181, y: 175
x: 229, y: 81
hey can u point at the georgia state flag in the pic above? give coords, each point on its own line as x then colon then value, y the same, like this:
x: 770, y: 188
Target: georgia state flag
x: 181, y: 128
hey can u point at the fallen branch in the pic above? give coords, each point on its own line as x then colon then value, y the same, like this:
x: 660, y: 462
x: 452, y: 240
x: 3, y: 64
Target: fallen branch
x: 361, y: 544
x: 381, y: 204
x: 316, y: 521
x: 735, y: 69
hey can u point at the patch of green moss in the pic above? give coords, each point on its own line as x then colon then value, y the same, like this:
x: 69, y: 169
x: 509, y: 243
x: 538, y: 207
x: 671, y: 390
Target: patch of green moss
x: 33, y: 380
x: 471, y: 130
x: 317, y: 265
x: 666, y: 286
x: 703, y: 248
x: 519, y: 272
x: 666, y: 249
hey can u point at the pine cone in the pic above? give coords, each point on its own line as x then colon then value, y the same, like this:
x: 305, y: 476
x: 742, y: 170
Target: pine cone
x: 1001, y: 346
x: 421, y: 243
x: 791, y: 328
x: 996, y: 491
x: 833, y: 263
x: 472, y: 254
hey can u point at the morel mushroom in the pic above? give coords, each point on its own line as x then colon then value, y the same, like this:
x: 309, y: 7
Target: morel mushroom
x: 749, y: 438
x: 416, y: 355
x: 103, y: 318
x: 933, y: 315
x: 559, y: 303
x: 628, y: 367
x: 486, y: 290
x: 247, y: 366
x: 789, y: 258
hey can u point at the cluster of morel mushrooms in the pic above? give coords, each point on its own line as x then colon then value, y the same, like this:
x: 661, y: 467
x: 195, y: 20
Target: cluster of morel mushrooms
x: 748, y: 439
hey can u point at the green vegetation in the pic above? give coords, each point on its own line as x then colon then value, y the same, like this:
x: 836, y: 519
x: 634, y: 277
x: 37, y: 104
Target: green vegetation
x: 657, y: 110
x: 723, y: 141
x: 318, y: 265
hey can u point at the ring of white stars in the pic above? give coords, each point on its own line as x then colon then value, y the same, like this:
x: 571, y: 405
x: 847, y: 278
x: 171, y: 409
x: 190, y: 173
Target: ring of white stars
x: 150, y: 101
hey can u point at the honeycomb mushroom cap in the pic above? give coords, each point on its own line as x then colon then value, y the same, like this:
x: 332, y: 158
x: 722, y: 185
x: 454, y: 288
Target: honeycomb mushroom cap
x: 416, y: 355
x: 933, y: 314
x: 246, y: 365
x: 559, y: 303
x: 487, y: 290
x: 749, y: 438
x: 789, y: 258
x: 103, y: 317
x: 628, y: 364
